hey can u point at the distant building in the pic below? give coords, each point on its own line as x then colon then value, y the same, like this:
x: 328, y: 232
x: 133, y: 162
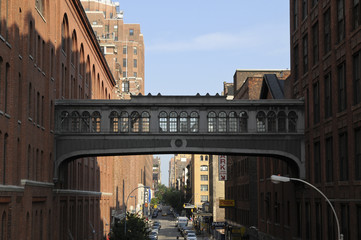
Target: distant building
x: 199, y: 179
x: 216, y: 190
x: 156, y: 171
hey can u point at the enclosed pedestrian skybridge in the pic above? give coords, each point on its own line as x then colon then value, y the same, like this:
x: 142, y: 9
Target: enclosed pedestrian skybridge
x: 179, y: 124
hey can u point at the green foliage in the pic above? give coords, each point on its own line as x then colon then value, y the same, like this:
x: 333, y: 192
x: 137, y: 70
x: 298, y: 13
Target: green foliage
x: 154, y: 201
x: 136, y: 229
x: 170, y: 196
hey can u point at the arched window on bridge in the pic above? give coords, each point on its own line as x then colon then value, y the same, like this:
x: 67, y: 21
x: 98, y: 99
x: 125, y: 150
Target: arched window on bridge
x: 261, y: 122
x: 232, y: 121
x: 145, y: 122
x: 183, y: 122
x: 212, y: 122
x: 134, y: 122
x: 163, y: 122
x: 281, y: 118
x: 124, y: 122
x: 75, y: 121
x: 96, y: 117
x: 292, y: 121
x: 194, y: 122
x: 222, y: 122
x: 243, y: 121
x: 173, y: 122
x: 85, y: 122
x: 271, y: 121
x: 64, y: 121
x: 114, y: 121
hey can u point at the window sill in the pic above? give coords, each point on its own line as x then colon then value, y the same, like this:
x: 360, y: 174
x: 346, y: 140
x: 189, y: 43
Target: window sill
x: 7, y: 116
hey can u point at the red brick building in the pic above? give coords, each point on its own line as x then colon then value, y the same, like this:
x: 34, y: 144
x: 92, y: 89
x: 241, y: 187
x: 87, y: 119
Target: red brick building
x: 47, y: 52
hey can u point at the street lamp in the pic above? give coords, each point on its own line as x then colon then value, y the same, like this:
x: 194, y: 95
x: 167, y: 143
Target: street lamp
x: 277, y: 179
x: 125, y: 217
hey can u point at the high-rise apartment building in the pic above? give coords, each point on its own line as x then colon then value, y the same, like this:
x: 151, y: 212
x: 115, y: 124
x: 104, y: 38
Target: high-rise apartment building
x: 199, y: 179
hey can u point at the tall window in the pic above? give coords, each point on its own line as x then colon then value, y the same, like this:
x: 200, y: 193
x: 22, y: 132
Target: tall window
x: 341, y: 79
x: 315, y: 49
x: 114, y: 122
x: 96, y: 117
x: 124, y: 62
x: 357, y: 78
x: 356, y: 14
x: 340, y: 20
x: 194, y: 122
x: 328, y: 95
x: 305, y: 54
x: 135, y: 63
x: 173, y: 122
x: 131, y: 32
x: 261, y: 122
x: 145, y: 122
x: 232, y: 120
x: 31, y: 39
x: 318, y: 219
x: 281, y: 121
x: 295, y: 14
x: 358, y: 154
x: 183, y: 122
x: 222, y: 122
x: 135, y: 50
x: 343, y: 156
x: 64, y: 34
x: 6, y: 83
x: 125, y: 86
x: 124, y: 49
x: 327, y: 31
x: 296, y: 63
x: 292, y: 122
x: 316, y: 103
x: 329, y: 159
x: 308, y: 220
x: 163, y: 122
x: 212, y: 122
x: 304, y: 9
x: 135, y: 122
x: 317, y: 162
x: 243, y: 120
x: 271, y: 121
x: 345, y: 221
x: 124, y: 122
x: 358, y: 214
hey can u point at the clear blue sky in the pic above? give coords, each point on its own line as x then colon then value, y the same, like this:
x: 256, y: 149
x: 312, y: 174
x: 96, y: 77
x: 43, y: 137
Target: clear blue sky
x: 194, y: 46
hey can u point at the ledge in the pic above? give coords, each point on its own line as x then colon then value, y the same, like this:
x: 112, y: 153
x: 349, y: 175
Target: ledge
x: 26, y: 182
x: 76, y: 192
x: 11, y: 188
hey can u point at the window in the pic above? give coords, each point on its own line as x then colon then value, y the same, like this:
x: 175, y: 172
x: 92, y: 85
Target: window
x: 6, y: 83
x: 329, y: 159
x: 358, y: 221
x: 331, y: 226
x: 327, y: 31
x: 296, y: 62
x: 341, y: 79
x: 261, y: 122
x: 85, y: 122
x: 295, y: 14
x: 356, y: 14
x: 135, y: 74
x: 328, y: 95
x: 135, y: 63
x: 114, y: 122
x: 317, y: 162
x: 124, y: 125
x: 204, y: 168
x: 64, y: 33
x: 343, y: 156
x: 96, y: 117
x: 315, y: 55
x: 125, y: 86
x: 183, y: 122
x: 357, y: 78
x: 222, y: 122
x: 106, y: 28
x: 358, y: 154
x: 204, y: 177
x: 304, y: 9
x: 204, y: 188
x: 305, y: 54
x: 232, y: 120
x: 204, y: 198
x: 345, y: 221
x: 163, y: 122
x: 145, y: 122
x: 124, y: 62
x: 194, y: 122
x: 340, y: 20
x: 308, y: 220
x: 125, y: 50
x: 292, y: 122
x: 135, y: 122
x: 271, y: 121
x: 281, y: 121
x: 318, y: 220
x: 316, y: 103
x: 173, y: 122
x: 243, y: 119
x: 314, y: 2
x: 131, y: 32
x: 135, y: 50
x: 212, y: 122
x: 125, y: 74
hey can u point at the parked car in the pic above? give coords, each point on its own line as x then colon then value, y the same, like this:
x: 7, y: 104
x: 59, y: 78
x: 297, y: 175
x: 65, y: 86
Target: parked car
x: 191, y: 236
x: 157, y: 224
x: 153, y: 235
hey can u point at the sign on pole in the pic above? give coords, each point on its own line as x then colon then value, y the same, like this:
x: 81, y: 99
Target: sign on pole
x: 222, y: 167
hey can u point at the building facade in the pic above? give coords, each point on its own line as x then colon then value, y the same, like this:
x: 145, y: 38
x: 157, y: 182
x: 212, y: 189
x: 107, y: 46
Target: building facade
x: 199, y: 179
x: 326, y: 63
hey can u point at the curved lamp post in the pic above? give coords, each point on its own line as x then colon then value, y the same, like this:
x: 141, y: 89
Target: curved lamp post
x: 277, y: 179
x: 125, y: 217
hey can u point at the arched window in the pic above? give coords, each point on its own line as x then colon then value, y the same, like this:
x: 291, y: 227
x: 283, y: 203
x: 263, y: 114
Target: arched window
x: 232, y: 121
x: 82, y: 62
x: 6, y: 83
x: 163, y: 122
x: 183, y: 122
x: 194, y: 122
x: 281, y: 120
x: 243, y: 121
x: 222, y: 122
x: 134, y: 122
x: 292, y: 122
x: 206, y: 157
x: 31, y: 39
x: 96, y: 120
x: 75, y: 121
x: 212, y: 122
x: 145, y: 121
x: 64, y: 34
x: 271, y: 121
x: 85, y: 122
x: 114, y: 121
x: 261, y: 122
x: 124, y: 122
x: 173, y: 122
x: 74, y: 49
x: 87, y: 74
x: 64, y: 117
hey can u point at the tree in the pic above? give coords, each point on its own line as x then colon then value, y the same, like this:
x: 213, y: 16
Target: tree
x: 136, y: 229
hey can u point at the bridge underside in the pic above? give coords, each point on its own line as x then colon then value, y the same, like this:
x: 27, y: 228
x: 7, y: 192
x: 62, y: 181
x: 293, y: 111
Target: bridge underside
x: 286, y: 147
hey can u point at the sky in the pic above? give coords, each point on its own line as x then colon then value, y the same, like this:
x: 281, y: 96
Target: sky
x: 194, y: 46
